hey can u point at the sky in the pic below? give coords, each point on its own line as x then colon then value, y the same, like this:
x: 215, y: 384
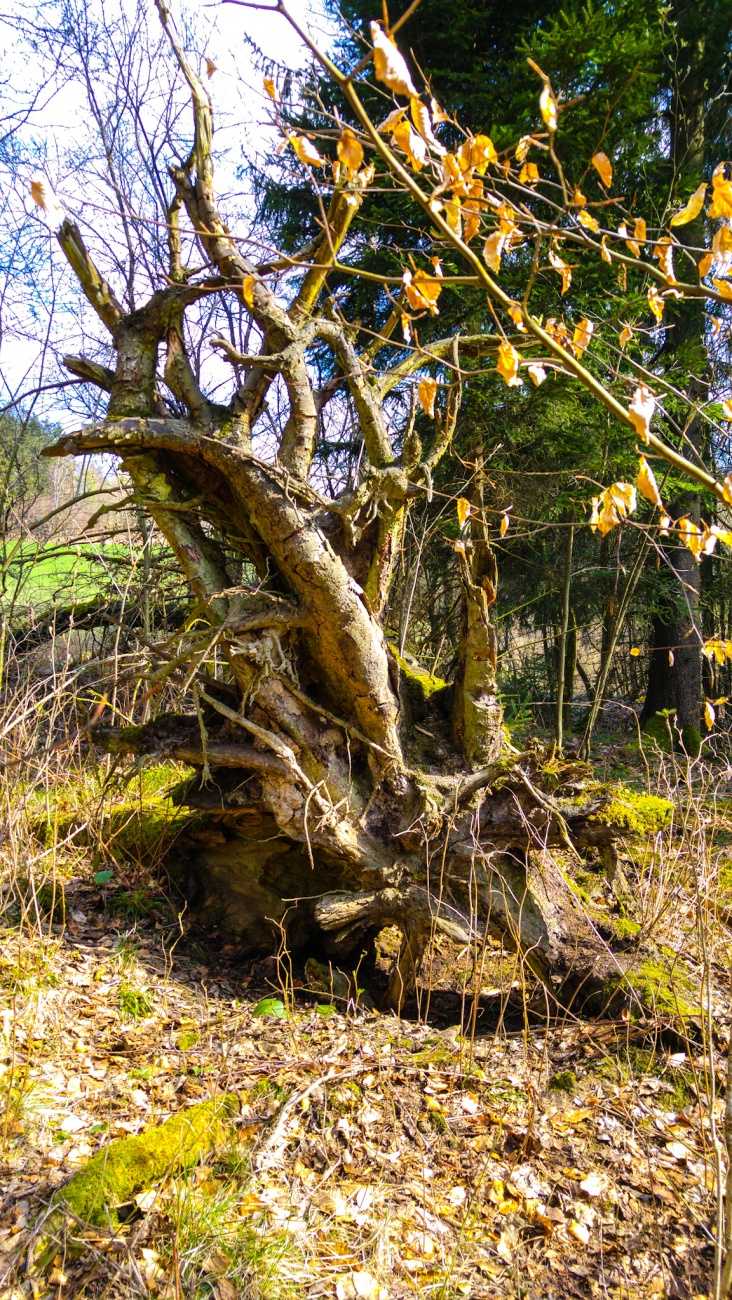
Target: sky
x: 39, y: 302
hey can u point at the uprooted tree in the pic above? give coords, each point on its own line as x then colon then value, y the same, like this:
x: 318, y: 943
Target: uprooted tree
x: 350, y: 791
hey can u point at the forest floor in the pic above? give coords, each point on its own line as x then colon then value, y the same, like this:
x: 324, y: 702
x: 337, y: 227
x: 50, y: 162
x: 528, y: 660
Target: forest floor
x: 479, y: 1149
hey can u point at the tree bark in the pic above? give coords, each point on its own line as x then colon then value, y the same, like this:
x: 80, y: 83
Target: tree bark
x: 674, y: 675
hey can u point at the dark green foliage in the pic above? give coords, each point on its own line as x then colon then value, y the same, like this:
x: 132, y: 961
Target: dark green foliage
x: 632, y: 76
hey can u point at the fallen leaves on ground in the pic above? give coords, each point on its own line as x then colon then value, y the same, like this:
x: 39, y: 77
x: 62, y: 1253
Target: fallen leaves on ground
x: 420, y: 1159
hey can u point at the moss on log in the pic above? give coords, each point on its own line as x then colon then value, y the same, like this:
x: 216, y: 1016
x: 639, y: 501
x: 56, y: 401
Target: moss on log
x: 129, y: 1164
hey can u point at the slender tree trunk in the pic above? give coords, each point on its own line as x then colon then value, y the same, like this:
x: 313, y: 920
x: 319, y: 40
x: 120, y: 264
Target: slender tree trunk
x: 569, y: 672
x: 675, y: 671
x: 615, y: 630
x: 562, y: 641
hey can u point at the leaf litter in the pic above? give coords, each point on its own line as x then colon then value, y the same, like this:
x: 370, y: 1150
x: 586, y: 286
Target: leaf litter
x: 372, y: 1157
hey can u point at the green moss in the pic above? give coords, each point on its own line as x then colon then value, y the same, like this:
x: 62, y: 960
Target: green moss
x: 418, y: 676
x: 656, y: 986
x: 624, y: 928
x: 186, y: 1039
x: 563, y: 1081
x: 129, y: 1164
x: 438, y: 1121
x: 665, y: 734
x: 641, y: 814
x: 691, y: 740
x: 658, y: 730
x: 632, y: 1063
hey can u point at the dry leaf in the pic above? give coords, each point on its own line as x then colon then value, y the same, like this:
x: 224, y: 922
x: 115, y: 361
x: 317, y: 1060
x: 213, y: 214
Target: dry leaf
x: 410, y: 143
x: 426, y: 393
x: 422, y: 291
x: 610, y: 508
x: 350, y: 151
x: 721, y: 205
x: 537, y: 372
x: 503, y: 530
x: 453, y: 216
x: 210, y: 68
x: 271, y: 89
x: 463, y: 511
x: 705, y: 265
x: 709, y: 718
x: 391, y: 120
x: 724, y: 288
x: 587, y: 220
x: 306, y: 151
x: 508, y: 364
x: 646, y: 483
x: 679, y: 1150
x: 506, y: 1247
x: 691, y: 208
x: 655, y: 302
x: 529, y: 174
x: 722, y: 246
x: 604, y: 168
x: 562, y: 269
x: 423, y: 122
x: 247, y: 289
x: 582, y: 335
x: 596, y: 1184
x: 721, y: 651
x: 664, y: 251
x: 548, y: 109
x: 638, y: 237
x: 225, y: 1290
x: 389, y: 64
x: 492, y: 249
x: 517, y: 317
x: 360, y: 1286
x: 626, y: 335
x: 641, y: 411
x: 216, y: 1262
x: 46, y: 200
x: 476, y: 153
x: 522, y: 148
x: 580, y: 1231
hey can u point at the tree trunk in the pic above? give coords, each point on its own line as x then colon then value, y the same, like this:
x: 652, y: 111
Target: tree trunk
x: 674, y: 675
x: 675, y: 670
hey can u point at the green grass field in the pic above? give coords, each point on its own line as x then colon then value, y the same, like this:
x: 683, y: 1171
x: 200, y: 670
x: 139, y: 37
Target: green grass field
x: 40, y: 577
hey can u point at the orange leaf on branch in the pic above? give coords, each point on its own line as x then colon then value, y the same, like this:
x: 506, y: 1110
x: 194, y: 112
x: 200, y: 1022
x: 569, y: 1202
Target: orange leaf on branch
x: 508, y: 364
x: 604, y: 168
